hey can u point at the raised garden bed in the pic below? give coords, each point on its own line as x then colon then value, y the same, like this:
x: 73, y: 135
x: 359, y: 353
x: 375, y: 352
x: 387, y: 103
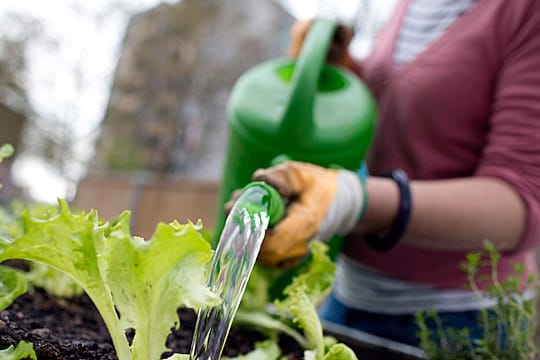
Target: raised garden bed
x: 62, y: 329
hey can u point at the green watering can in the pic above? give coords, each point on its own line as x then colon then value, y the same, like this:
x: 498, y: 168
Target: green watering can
x: 305, y: 110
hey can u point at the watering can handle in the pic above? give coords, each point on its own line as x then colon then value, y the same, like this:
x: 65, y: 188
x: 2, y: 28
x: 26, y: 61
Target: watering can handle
x: 297, y: 119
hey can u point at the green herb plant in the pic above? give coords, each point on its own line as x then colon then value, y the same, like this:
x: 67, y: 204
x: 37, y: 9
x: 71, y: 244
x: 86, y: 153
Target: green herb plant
x: 508, y: 328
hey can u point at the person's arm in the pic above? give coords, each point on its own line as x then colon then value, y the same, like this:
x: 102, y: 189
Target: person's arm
x: 457, y: 214
x: 500, y: 202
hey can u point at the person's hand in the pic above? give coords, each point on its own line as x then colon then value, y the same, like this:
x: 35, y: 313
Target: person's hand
x: 338, y: 53
x: 322, y: 203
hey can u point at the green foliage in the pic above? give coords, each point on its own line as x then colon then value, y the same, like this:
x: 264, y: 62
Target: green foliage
x: 6, y: 151
x: 133, y: 283
x: 508, y: 328
x: 140, y: 284
x: 12, y: 285
x: 11, y: 226
x: 53, y: 281
x: 296, y: 311
x: 306, y: 291
x: 339, y: 352
x: 24, y: 350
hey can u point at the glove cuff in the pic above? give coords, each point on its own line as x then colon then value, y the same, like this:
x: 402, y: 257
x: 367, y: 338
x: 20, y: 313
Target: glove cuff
x: 346, y: 208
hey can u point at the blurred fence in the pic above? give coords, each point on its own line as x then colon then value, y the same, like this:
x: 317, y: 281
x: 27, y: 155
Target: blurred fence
x: 150, y: 200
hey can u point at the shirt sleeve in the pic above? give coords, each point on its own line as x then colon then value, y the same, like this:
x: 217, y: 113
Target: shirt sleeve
x: 512, y: 150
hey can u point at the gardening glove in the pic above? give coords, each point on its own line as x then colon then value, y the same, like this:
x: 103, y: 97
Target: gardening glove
x: 338, y: 53
x: 321, y: 203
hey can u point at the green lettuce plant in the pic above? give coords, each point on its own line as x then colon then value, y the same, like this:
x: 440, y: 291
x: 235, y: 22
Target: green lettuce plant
x: 134, y: 284
x: 138, y: 284
x: 295, y: 312
x: 23, y: 350
x: 53, y: 281
x: 12, y: 285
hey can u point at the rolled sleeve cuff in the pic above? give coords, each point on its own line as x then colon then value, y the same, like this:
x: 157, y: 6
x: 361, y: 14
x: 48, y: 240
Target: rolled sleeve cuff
x: 530, y: 238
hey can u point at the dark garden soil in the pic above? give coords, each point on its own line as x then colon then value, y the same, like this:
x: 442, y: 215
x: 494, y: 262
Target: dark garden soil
x: 72, y: 329
x: 62, y: 329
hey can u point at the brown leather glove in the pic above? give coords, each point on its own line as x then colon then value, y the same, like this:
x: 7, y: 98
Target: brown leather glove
x: 322, y: 202
x: 338, y: 53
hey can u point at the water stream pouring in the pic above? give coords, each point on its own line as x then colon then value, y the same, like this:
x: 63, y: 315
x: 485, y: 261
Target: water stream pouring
x: 258, y: 207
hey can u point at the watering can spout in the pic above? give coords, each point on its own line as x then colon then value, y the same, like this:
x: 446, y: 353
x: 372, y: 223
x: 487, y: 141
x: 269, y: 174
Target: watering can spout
x: 273, y: 203
x: 258, y: 207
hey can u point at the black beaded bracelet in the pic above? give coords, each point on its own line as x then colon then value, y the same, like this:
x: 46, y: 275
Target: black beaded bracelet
x: 392, y: 237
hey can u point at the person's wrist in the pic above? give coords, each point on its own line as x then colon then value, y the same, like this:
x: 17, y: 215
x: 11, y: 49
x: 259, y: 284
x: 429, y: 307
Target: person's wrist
x: 346, y: 207
x: 388, y: 239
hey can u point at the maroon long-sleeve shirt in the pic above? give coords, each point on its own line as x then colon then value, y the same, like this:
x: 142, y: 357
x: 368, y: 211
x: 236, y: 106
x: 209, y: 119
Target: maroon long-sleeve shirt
x: 469, y: 105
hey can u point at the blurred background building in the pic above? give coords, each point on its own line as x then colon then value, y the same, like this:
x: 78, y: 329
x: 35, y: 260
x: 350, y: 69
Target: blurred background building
x: 163, y: 134
x: 121, y: 104
x: 14, y: 107
x: 167, y: 109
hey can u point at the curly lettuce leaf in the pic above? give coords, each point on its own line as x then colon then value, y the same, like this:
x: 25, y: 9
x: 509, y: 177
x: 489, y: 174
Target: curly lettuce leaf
x: 24, y: 350
x: 304, y: 313
x: 340, y: 352
x: 12, y: 285
x: 305, y: 292
x: 133, y: 283
x: 70, y: 243
x: 307, y: 289
x: 317, y: 279
x: 299, y: 306
x: 162, y: 274
x: 53, y: 281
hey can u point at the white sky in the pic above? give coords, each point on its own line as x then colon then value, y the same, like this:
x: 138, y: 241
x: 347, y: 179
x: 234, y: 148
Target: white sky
x: 69, y: 78
x: 69, y: 81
